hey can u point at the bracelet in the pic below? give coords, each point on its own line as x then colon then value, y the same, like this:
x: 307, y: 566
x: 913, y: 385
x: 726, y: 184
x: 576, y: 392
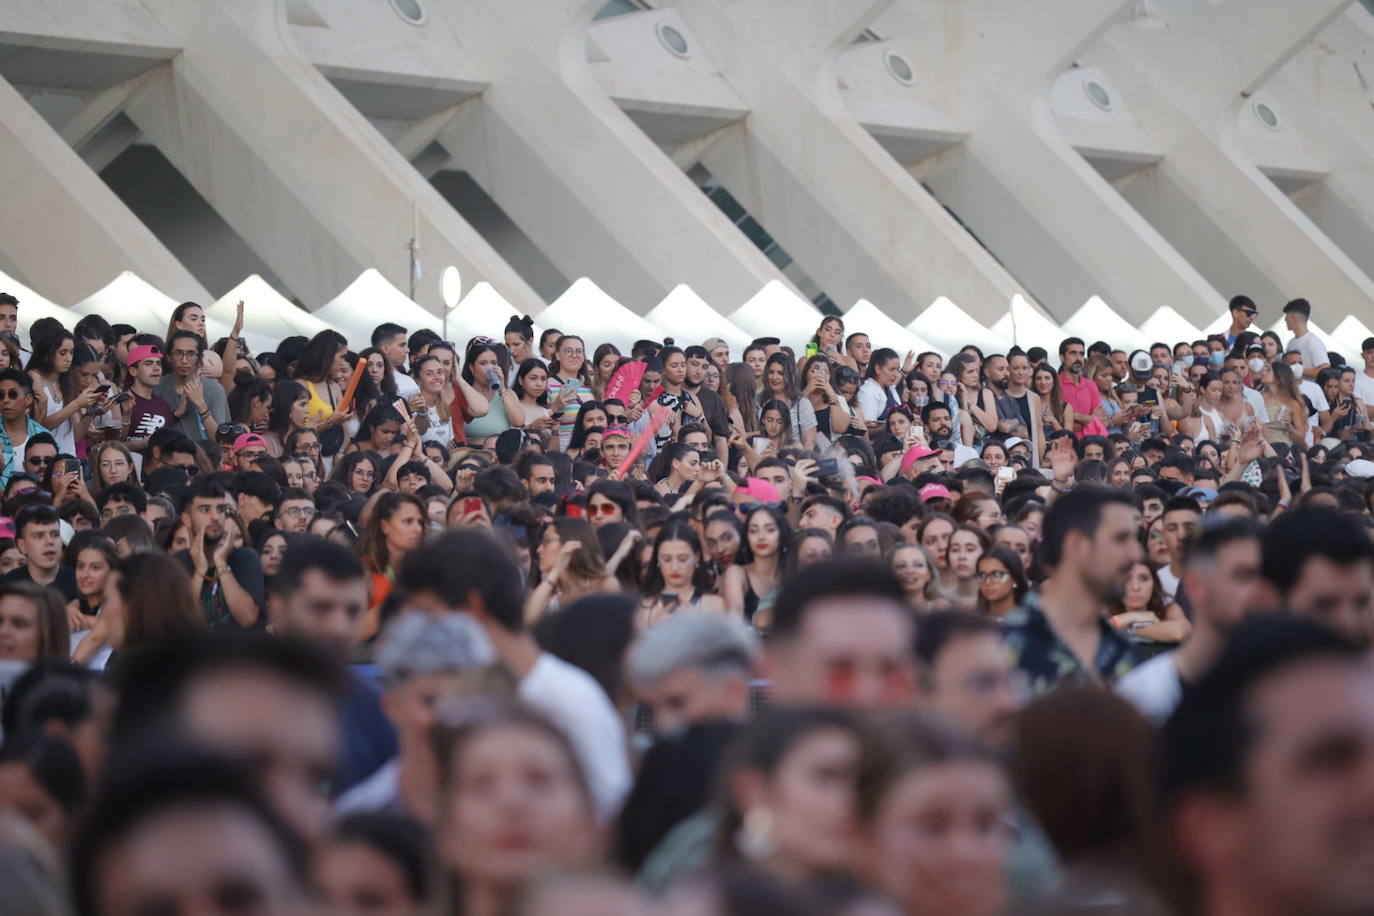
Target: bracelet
x: 224, y: 570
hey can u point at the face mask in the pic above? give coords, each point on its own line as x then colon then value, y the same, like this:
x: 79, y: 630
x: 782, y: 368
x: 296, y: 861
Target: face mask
x: 1256, y: 365
x: 1186, y: 360
x: 1218, y: 357
x: 922, y: 400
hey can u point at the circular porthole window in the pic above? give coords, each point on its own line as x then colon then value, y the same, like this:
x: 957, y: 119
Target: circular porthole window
x: 412, y: 11
x: 672, y: 39
x: 899, y: 68
x: 1098, y: 94
x: 1268, y: 116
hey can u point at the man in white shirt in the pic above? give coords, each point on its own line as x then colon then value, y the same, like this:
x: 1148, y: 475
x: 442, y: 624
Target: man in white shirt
x: 1364, y: 381
x: 879, y: 392
x: 1221, y: 580
x: 488, y: 586
x: 392, y: 341
x: 1313, y: 351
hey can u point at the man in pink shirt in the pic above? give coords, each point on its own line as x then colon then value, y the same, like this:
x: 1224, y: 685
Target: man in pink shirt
x: 1079, y: 393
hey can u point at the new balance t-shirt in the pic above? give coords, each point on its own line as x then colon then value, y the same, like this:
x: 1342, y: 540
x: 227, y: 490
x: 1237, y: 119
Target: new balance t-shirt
x: 149, y: 415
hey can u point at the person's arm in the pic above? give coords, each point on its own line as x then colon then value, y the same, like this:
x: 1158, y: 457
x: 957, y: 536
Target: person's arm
x: 515, y: 414
x: 1173, y: 626
x: 474, y: 403
x: 538, y: 601
x: 231, y: 351
x: 80, y: 402
x: 408, y: 450
x: 622, y: 551
x: 984, y: 415
x: 733, y: 590
x: 243, y: 607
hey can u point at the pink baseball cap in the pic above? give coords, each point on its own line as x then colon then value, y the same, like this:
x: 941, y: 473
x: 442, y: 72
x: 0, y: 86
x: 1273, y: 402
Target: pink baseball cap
x: 246, y: 439
x: 915, y: 454
x: 139, y: 354
x: 934, y: 491
x: 760, y: 489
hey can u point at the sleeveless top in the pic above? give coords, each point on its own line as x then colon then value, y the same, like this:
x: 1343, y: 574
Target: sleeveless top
x: 1280, y: 430
x: 318, y: 407
x: 66, y: 438
x: 493, y: 424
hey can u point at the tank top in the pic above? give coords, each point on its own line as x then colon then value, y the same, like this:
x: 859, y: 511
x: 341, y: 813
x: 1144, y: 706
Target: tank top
x: 317, y: 407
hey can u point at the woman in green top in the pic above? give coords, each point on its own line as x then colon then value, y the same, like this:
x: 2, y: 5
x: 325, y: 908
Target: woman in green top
x: 482, y: 370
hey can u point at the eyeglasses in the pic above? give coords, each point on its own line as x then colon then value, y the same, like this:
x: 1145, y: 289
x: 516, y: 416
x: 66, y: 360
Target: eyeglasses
x: 11, y: 394
x: 996, y: 575
x: 297, y: 511
x: 574, y: 351
x: 184, y: 354
x: 230, y: 430
x: 253, y: 454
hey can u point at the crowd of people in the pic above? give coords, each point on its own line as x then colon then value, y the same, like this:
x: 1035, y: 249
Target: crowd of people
x: 518, y: 625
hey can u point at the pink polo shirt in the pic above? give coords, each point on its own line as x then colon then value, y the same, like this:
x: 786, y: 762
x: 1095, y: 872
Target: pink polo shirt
x: 1082, y: 396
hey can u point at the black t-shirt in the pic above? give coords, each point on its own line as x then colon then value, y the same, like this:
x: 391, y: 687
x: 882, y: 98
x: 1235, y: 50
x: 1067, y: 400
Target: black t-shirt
x: 247, y: 567
x: 64, y: 583
x: 148, y: 416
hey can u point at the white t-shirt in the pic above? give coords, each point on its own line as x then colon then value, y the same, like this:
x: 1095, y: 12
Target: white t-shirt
x: 1364, y: 388
x: 1316, y: 396
x: 1154, y: 687
x: 1168, y: 583
x: 1256, y: 401
x: 873, y: 400
x: 405, y: 385
x: 576, y: 703
x: 1312, y: 349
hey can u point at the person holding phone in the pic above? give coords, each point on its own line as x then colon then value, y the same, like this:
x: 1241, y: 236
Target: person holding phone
x: 568, y: 384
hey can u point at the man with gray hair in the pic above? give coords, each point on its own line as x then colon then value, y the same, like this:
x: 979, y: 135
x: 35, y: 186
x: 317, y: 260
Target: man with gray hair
x: 692, y: 668
x: 423, y: 659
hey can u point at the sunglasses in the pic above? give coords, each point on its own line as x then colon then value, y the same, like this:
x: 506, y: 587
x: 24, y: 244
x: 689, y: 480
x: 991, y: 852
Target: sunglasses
x: 41, y: 462
x: 12, y: 394
x: 606, y: 509
x: 1250, y: 312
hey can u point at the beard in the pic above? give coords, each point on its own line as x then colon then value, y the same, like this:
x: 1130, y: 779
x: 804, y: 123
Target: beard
x: 1109, y: 585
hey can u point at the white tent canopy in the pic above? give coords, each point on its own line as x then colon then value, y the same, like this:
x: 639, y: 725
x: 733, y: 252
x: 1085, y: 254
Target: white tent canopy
x: 690, y: 321
x: 129, y: 299
x: 1350, y: 335
x: 367, y: 302
x: 866, y: 318
x: 588, y: 311
x: 268, y: 316
x: 32, y: 306
x: 1168, y: 326
x: 1096, y: 321
x: 483, y: 312
x: 1025, y: 326
x: 776, y: 311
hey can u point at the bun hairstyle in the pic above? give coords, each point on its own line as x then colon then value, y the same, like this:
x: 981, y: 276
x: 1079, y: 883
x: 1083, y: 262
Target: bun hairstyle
x: 524, y: 326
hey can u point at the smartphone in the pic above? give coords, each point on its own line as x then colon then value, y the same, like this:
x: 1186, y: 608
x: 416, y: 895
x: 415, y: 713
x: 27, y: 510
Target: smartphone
x: 472, y: 504
x: 1006, y: 473
x: 707, y: 456
x: 71, y: 466
x: 827, y: 467
x: 121, y: 397
x: 102, y: 389
x: 760, y: 443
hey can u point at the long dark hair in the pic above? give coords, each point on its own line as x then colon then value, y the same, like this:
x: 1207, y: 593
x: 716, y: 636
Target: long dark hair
x: 1008, y: 558
x: 45, y: 347
x: 746, y: 553
x: 372, y: 546
x: 316, y: 362
x: 241, y: 399
x: 368, y: 390
x: 525, y: 369
x: 675, y: 530
x: 791, y: 391
x: 283, y: 396
x: 579, y: 432
x: 475, y: 349
x: 156, y: 593
x: 343, y: 470
x: 83, y: 354
x: 788, y: 435
x: 619, y: 493
x: 177, y: 314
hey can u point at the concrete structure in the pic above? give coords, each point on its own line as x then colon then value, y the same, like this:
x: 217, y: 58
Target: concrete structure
x: 1160, y: 155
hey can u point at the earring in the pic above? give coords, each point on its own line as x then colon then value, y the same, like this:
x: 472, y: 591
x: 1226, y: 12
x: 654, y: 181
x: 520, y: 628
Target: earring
x: 754, y: 839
